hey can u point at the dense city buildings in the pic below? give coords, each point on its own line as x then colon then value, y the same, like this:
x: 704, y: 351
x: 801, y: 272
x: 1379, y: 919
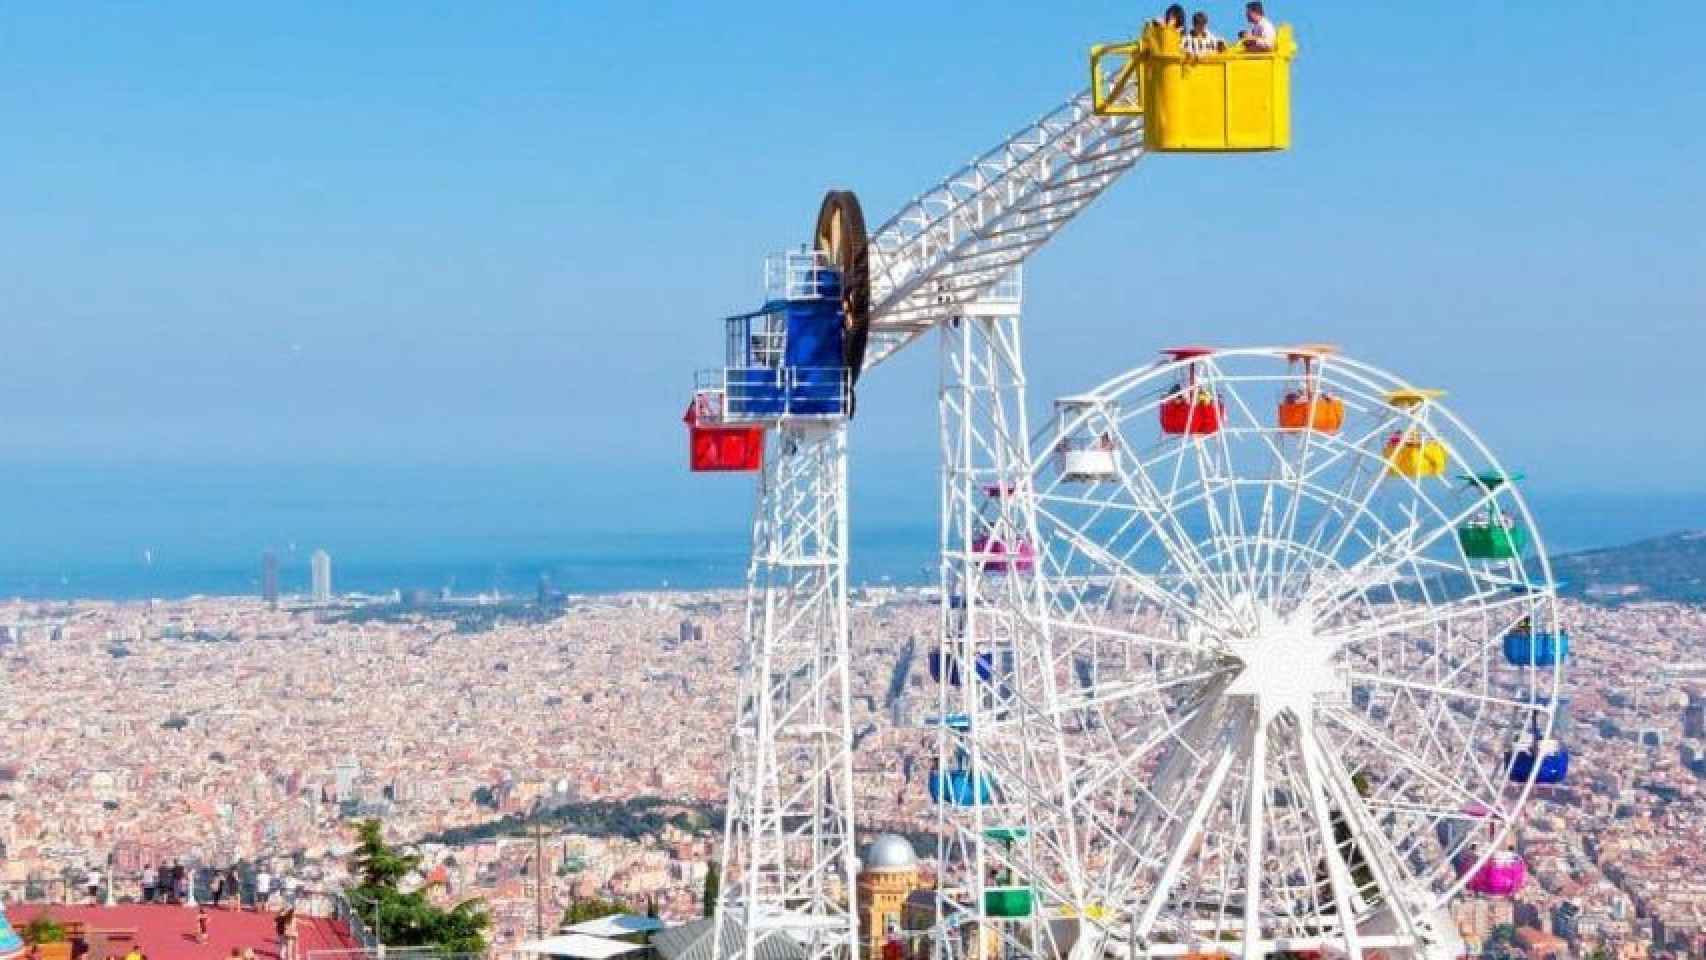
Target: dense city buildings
x: 218, y: 732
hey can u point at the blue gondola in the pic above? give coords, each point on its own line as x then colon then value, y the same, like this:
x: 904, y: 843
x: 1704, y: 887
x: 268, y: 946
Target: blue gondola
x: 1553, y: 759
x: 956, y: 787
x: 949, y: 665
x: 1528, y: 648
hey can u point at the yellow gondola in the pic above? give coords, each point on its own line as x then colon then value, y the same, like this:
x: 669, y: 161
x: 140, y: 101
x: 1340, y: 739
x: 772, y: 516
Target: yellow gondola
x: 1218, y: 103
x: 1412, y: 452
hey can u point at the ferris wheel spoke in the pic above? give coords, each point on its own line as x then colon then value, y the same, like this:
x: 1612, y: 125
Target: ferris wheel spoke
x: 1145, y: 585
x: 1161, y: 511
x: 1405, y: 620
x: 1256, y: 835
x: 1346, y: 506
x: 1185, y: 835
x: 1384, y: 564
x: 1419, y: 771
x: 1340, y: 880
x: 1113, y: 694
x: 1381, y: 680
x: 1259, y: 559
x: 1303, y: 480
x: 1219, y: 474
x: 1177, y: 733
x: 1348, y: 485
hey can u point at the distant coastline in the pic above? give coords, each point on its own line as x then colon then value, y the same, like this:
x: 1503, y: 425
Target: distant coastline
x: 132, y: 533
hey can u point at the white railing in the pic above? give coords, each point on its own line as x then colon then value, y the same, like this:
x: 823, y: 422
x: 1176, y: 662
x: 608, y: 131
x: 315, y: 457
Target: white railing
x: 800, y: 275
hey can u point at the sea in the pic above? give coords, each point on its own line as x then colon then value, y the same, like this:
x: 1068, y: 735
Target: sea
x: 169, y: 530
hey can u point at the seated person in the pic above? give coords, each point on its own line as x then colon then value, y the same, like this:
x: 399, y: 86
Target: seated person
x: 1200, y: 40
x: 1260, y: 37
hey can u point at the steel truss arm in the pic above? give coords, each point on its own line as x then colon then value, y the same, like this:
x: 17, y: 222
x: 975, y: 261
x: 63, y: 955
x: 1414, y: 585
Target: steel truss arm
x: 952, y: 244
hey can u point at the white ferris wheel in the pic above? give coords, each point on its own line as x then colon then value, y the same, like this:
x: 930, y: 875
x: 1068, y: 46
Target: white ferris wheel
x: 1284, y: 678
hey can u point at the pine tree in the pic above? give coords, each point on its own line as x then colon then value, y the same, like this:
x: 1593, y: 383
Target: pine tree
x: 409, y: 919
x: 713, y: 888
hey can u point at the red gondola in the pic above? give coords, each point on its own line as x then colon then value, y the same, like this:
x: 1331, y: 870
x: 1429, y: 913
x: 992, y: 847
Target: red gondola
x: 1191, y: 410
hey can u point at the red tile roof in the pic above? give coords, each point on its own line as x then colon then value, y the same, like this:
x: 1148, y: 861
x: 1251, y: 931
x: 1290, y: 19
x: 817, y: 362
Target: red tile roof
x: 168, y: 932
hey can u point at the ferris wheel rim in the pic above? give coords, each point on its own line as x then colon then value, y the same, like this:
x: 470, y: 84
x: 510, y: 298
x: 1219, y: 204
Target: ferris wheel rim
x: 1533, y: 574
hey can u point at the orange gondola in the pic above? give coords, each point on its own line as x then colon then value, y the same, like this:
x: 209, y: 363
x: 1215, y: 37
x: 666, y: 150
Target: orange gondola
x: 1307, y: 405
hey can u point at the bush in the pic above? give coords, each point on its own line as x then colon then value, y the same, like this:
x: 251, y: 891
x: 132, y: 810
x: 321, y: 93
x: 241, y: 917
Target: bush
x: 43, y: 929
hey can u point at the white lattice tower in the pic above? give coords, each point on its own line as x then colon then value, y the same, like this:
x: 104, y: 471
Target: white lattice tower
x: 1000, y: 846
x: 789, y: 840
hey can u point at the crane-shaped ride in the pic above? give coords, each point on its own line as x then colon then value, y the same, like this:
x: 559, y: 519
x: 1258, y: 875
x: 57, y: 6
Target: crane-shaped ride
x: 780, y: 406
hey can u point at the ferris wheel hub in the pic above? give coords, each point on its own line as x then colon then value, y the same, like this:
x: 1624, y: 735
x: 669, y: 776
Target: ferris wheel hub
x: 1284, y: 665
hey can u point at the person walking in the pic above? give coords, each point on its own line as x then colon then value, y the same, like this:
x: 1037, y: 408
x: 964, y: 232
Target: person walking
x: 148, y: 880
x: 263, y: 889
x: 285, y: 926
x: 201, y: 922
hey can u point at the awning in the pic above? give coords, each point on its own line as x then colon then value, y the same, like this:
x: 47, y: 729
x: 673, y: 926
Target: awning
x: 579, y: 946
x: 617, y: 925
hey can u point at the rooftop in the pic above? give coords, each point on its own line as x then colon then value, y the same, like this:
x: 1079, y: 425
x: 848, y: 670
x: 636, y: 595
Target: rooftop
x: 168, y: 932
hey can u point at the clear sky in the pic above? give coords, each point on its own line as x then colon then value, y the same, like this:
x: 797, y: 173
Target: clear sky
x: 454, y: 232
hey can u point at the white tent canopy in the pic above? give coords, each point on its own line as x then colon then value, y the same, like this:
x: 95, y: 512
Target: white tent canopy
x: 617, y: 925
x: 579, y: 946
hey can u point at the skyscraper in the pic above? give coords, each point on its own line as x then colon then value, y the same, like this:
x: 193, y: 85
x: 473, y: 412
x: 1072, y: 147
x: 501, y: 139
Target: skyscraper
x: 269, y: 578
x: 346, y: 773
x: 320, y: 565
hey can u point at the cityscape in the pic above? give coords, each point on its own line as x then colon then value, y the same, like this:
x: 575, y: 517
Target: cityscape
x: 1001, y: 481
x: 226, y: 742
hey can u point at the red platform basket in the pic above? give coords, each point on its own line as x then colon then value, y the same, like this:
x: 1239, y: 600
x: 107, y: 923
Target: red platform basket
x: 718, y: 449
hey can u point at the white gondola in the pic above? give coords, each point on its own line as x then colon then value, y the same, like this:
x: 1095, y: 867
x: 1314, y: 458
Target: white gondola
x: 1091, y: 455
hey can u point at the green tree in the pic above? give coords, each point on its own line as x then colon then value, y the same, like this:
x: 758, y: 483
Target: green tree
x: 409, y: 919
x: 377, y: 863
x: 43, y: 929
x: 580, y: 911
x: 713, y: 889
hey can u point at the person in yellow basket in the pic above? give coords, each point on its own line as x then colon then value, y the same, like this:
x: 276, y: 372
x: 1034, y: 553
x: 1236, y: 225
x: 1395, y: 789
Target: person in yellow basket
x: 1200, y: 41
x: 1261, y: 35
x: 1174, y: 18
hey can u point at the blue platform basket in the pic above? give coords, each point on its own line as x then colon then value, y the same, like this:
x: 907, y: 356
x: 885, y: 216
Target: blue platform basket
x: 755, y: 392
x: 817, y: 391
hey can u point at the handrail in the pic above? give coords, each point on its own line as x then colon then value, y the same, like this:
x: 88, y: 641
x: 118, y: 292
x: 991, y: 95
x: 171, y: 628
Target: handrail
x: 1111, y: 98
x: 1124, y: 95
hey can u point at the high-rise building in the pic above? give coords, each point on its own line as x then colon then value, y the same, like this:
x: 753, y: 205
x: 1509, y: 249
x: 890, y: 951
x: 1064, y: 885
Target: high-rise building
x: 320, y: 566
x: 1694, y: 716
x: 345, y: 774
x: 269, y: 578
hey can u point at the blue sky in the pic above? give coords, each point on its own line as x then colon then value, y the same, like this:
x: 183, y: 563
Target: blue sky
x: 495, y: 233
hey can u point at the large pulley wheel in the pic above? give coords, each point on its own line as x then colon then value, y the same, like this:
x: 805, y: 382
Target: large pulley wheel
x: 841, y: 237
